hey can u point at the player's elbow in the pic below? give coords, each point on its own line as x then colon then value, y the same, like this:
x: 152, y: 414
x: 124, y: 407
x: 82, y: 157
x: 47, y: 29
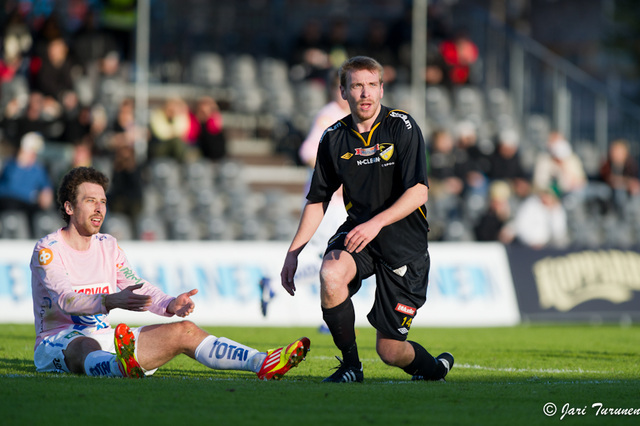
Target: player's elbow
x: 421, y: 192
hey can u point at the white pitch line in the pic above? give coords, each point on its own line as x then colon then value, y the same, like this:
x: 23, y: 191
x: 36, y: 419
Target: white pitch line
x: 502, y: 369
x: 527, y: 370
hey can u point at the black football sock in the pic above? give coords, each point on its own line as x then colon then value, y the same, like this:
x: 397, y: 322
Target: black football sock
x: 424, y: 364
x: 341, y: 320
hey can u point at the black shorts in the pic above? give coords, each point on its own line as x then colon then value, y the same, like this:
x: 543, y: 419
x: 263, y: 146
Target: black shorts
x: 399, y: 293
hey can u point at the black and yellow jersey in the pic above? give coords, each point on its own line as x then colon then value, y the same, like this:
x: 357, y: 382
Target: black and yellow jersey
x: 375, y: 169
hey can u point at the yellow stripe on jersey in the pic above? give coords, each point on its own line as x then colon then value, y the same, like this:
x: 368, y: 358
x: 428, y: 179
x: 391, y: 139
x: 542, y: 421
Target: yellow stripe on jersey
x: 424, y: 213
x: 348, y: 206
x: 368, y: 141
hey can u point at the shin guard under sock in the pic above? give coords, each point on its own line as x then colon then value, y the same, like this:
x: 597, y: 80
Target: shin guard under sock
x: 340, y: 320
x: 424, y: 364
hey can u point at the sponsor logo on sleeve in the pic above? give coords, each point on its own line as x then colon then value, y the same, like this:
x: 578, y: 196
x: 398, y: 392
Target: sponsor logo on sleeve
x: 45, y: 256
x: 403, y: 117
x: 405, y: 309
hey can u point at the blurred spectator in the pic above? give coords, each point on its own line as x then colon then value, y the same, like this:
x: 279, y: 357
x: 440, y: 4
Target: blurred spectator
x: 559, y: 167
x: 495, y: 223
x: 119, y: 18
x: 376, y: 45
x: 335, y: 215
x: 435, y: 71
x: 91, y: 43
x: 620, y: 171
x: 24, y: 182
x: 17, y: 42
x: 459, y: 55
x: 108, y: 83
x: 338, y: 42
x: 400, y: 40
x: 52, y: 73
x: 39, y: 116
x: 309, y: 58
x: 505, y: 164
x: 336, y: 109
x: 45, y: 28
x: 445, y: 186
x: 207, y: 129
x: 443, y: 176
x: 541, y: 221
x: 123, y: 131
x: 471, y: 163
x: 77, y: 124
x: 127, y: 184
x: 170, y: 126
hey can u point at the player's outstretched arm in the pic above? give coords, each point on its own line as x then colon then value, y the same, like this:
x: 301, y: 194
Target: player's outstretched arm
x: 127, y: 299
x: 182, y: 305
x: 312, y: 215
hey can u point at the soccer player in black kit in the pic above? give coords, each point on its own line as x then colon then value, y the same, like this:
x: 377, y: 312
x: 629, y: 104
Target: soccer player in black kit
x: 378, y: 155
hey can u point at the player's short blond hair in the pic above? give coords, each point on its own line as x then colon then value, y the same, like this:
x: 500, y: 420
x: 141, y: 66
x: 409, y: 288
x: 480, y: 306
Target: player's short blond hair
x: 358, y: 63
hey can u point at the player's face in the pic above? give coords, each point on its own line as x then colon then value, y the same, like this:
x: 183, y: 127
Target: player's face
x: 363, y: 92
x: 87, y: 214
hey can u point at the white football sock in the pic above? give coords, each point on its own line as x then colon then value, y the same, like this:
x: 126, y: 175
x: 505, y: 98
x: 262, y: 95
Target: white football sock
x: 221, y: 353
x: 102, y: 363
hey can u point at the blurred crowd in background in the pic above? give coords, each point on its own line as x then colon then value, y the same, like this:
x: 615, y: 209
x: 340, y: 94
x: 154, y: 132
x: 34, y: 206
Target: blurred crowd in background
x: 67, y: 100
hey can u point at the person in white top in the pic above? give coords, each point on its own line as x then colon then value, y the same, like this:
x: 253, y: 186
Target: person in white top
x: 79, y: 275
x: 541, y: 221
x: 336, y: 214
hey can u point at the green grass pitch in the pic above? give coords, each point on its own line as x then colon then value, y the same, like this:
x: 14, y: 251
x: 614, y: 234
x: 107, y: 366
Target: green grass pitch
x: 502, y: 376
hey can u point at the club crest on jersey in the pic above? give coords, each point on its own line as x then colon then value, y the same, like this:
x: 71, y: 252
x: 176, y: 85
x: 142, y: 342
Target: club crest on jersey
x: 405, y: 309
x: 386, y: 151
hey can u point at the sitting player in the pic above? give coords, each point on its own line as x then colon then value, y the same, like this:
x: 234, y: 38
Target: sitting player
x: 76, y: 272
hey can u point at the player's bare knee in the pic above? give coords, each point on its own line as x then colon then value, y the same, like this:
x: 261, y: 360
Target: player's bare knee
x: 388, y: 355
x: 187, y: 327
x: 77, y: 351
x: 391, y: 352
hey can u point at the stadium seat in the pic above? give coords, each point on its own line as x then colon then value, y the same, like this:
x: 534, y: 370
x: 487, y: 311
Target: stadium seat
x: 468, y: 102
x: 165, y: 173
x: 536, y: 130
x: 438, y: 104
x: 251, y: 228
x: 284, y: 228
x: 119, y: 225
x: 209, y: 204
x: 219, y: 229
x: 176, y: 202
x: 46, y: 222
x: 311, y: 96
x: 151, y: 228
x: 207, y: 69
x: 14, y: 224
x: 185, y: 227
x: 199, y: 175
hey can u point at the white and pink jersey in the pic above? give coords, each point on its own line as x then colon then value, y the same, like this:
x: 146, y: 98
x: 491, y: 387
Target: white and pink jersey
x: 69, y: 286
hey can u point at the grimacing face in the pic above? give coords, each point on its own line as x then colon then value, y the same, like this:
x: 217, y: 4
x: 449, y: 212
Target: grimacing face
x: 363, y: 92
x: 89, y: 210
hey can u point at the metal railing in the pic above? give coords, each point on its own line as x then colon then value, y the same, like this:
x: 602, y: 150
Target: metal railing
x: 542, y: 83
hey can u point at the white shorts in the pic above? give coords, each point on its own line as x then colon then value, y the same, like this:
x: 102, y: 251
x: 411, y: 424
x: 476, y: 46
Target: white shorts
x: 49, y: 354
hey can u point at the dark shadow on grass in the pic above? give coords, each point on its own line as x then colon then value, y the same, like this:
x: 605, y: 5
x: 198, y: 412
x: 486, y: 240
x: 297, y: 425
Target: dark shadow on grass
x: 17, y: 366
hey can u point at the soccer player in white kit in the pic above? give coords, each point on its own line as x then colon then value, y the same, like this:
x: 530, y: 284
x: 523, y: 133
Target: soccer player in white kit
x: 79, y: 275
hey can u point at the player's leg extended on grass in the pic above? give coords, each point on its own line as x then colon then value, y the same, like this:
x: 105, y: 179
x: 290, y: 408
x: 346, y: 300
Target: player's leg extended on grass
x: 163, y: 342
